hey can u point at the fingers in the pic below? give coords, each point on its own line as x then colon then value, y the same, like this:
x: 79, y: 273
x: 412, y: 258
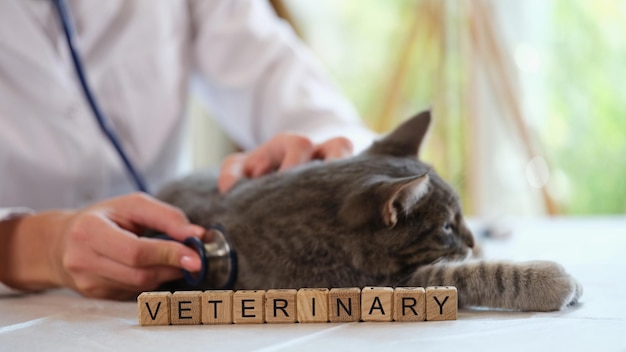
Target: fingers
x: 141, y: 209
x: 281, y: 153
x: 133, y: 279
x: 297, y: 150
x: 231, y: 171
x: 335, y: 148
x: 115, y: 280
x: 100, y: 256
x: 109, y: 241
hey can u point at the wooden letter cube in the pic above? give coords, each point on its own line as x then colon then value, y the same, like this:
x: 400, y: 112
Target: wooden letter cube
x: 344, y: 304
x: 249, y: 307
x: 185, y: 308
x: 377, y: 304
x: 280, y: 306
x: 409, y: 304
x: 312, y: 305
x: 441, y: 303
x: 217, y: 307
x: 154, y: 308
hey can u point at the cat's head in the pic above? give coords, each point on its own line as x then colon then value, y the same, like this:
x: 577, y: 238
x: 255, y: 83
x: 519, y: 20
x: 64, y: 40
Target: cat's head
x: 411, y: 211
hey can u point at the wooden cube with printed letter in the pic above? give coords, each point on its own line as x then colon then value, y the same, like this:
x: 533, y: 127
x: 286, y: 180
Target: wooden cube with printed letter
x: 377, y: 304
x: 154, y: 308
x: 217, y: 307
x: 409, y: 304
x: 185, y: 308
x: 441, y: 303
x: 249, y: 307
x: 312, y: 305
x: 280, y: 306
x: 344, y: 304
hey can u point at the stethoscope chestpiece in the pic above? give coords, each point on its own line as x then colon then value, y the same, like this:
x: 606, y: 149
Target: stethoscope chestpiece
x: 218, y: 260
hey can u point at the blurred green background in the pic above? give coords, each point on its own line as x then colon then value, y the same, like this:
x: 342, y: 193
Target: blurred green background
x: 562, y: 62
x: 586, y: 78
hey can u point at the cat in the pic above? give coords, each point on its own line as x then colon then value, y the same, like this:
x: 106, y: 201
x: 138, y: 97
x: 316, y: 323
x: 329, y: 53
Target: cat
x: 380, y: 218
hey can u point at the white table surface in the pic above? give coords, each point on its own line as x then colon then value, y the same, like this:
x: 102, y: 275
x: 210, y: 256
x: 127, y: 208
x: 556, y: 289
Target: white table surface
x: 592, y: 249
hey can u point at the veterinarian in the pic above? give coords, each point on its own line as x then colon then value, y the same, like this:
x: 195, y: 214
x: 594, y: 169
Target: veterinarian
x: 68, y: 213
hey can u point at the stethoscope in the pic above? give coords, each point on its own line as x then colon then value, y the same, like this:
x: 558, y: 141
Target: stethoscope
x: 219, y: 261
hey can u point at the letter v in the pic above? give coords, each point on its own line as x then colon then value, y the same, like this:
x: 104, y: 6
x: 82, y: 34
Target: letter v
x: 153, y: 316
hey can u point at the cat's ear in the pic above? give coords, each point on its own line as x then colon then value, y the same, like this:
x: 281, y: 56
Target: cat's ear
x: 403, y: 196
x: 406, y: 139
x: 384, y: 200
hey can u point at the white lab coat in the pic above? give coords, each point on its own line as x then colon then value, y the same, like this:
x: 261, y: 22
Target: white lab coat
x: 139, y: 55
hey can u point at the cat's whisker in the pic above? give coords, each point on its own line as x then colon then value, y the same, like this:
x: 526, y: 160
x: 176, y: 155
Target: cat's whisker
x: 403, y: 280
x: 460, y: 182
x: 469, y: 255
x: 441, y: 259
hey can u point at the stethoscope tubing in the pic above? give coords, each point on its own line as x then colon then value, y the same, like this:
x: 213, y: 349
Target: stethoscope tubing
x: 111, y: 135
x: 103, y: 122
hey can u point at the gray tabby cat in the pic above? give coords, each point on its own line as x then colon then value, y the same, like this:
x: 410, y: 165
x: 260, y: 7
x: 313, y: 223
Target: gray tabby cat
x: 381, y: 218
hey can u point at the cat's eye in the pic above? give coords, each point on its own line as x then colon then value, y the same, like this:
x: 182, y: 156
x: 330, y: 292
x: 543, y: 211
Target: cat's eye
x: 447, y: 226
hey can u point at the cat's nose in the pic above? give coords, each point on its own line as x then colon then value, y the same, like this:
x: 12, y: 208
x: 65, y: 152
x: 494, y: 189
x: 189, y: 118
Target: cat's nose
x: 469, y: 241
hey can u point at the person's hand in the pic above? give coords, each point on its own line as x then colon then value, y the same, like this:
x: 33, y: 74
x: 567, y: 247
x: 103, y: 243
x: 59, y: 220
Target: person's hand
x: 282, y: 152
x: 96, y: 250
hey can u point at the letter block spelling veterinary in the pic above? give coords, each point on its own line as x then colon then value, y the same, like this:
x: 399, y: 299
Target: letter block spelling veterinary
x: 306, y: 305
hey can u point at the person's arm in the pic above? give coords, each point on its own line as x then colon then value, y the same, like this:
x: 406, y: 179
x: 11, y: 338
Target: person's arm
x: 95, y: 250
x: 261, y: 80
x: 7, y: 214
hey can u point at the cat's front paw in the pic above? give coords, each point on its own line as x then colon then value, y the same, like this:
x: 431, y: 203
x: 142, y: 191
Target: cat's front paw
x: 550, y: 287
